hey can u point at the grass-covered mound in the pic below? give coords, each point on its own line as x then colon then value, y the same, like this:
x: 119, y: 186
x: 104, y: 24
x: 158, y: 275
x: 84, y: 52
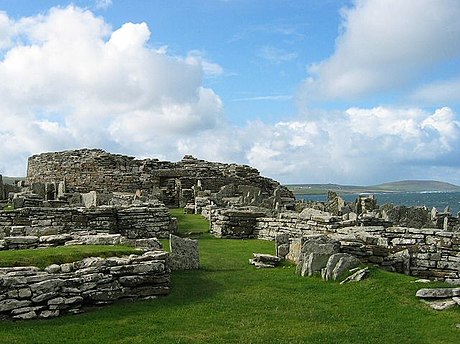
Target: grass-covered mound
x: 229, y: 301
x: 43, y: 257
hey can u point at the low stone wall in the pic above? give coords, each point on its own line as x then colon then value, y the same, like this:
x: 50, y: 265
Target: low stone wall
x: 144, y: 221
x: 429, y: 252
x: 28, y: 292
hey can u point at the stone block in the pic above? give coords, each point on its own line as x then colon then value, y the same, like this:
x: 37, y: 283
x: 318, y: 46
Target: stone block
x: 184, y: 253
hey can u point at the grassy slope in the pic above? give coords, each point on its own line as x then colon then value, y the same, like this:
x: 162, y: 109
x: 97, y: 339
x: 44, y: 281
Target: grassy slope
x: 229, y: 301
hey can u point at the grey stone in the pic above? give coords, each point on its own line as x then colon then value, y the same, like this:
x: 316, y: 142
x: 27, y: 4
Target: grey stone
x: 46, y: 286
x: 149, y: 243
x: 53, y: 268
x: 282, y: 250
x: 456, y: 299
x: 184, y: 254
x: 357, y: 276
x: 441, y: 305
x: 25, y: 316
x: 9, y: 304
x: 260, y: 265
x: 49, y: 314
x: 438, y: 292
x: 337, y: 264
x: 89, y: 199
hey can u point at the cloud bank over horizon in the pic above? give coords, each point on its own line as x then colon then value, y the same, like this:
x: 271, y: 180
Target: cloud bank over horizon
x: 70, y: 80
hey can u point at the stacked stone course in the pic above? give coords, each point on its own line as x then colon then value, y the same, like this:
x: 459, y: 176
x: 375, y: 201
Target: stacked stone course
x: 28, y: 292
x: 134, y: 222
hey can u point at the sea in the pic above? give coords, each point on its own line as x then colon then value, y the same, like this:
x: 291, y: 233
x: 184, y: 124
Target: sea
x: 439, y: 200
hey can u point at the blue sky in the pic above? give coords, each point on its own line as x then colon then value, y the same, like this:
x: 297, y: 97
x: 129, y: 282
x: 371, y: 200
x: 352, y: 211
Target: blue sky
x: 355, y: 92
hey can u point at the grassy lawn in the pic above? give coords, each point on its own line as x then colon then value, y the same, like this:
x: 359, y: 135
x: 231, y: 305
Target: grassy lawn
x: 190, y: 223
x: 59, y: 255
x: 229, y: 301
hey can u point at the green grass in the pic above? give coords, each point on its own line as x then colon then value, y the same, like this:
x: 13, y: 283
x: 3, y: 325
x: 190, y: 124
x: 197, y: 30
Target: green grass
x: 229, y: 301
x: 59, y: 255
x: 190, y: 223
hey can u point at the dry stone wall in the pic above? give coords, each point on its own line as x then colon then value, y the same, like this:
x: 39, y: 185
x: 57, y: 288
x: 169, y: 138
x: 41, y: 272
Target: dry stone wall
x: 425, y: 252
x: 29, y: 292
x: 134, y: 222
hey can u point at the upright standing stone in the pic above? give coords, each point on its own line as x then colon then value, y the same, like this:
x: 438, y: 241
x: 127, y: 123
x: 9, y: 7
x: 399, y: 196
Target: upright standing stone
x: 184, y: 253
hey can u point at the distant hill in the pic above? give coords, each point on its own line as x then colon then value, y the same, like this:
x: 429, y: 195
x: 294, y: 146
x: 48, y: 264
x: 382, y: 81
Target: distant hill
x: 399, y: 186
x: 418, y: 186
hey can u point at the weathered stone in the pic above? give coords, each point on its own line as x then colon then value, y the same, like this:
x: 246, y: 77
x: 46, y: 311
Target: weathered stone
x: 438, y: 292
x: 337, y: 264
x: 53, y: 268
x: 357, y: 276
x: 441, y: 305
x: 184, y: 253
x: 262, y: 260
x: 9, y: 304
x: 47, y: 286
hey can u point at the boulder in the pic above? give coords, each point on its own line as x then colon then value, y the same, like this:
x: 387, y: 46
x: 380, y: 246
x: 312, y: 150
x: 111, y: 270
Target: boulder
x: 315, y: 252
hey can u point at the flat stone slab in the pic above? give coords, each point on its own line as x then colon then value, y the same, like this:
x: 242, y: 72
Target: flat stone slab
x: 440, y: 305
x: 437, y: 293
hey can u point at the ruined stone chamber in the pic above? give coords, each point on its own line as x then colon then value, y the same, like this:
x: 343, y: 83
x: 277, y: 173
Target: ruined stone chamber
x: 192, y: 182
x: 414, y: 241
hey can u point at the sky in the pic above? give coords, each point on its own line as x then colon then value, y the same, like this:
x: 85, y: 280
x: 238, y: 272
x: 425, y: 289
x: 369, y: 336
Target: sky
x: 354, y: 92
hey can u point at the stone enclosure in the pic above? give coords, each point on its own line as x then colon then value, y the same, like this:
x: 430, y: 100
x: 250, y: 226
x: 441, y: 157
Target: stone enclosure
x: 371, y: 235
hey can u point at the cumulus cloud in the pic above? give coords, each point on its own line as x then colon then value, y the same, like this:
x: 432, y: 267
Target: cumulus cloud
x: 362, y: 145
x: 69, y: 80
x: 383, y: 45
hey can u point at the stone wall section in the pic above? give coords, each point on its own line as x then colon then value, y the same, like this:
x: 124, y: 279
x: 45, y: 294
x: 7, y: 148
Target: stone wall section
x: 28, y: 292
x: 427, y: 252
x: 134, y: 222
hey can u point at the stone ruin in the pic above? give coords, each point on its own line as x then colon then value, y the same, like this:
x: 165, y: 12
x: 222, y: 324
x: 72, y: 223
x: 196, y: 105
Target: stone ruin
x: 87, y: 196
x: 411, y: 240
x: 90, y: 196
x: 189, y: 183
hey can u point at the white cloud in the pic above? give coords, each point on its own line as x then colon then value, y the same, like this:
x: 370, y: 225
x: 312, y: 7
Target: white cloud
x: 383, y: 45
x: 360, y: 146
x: 439, y: 91
x: 69, y: 81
